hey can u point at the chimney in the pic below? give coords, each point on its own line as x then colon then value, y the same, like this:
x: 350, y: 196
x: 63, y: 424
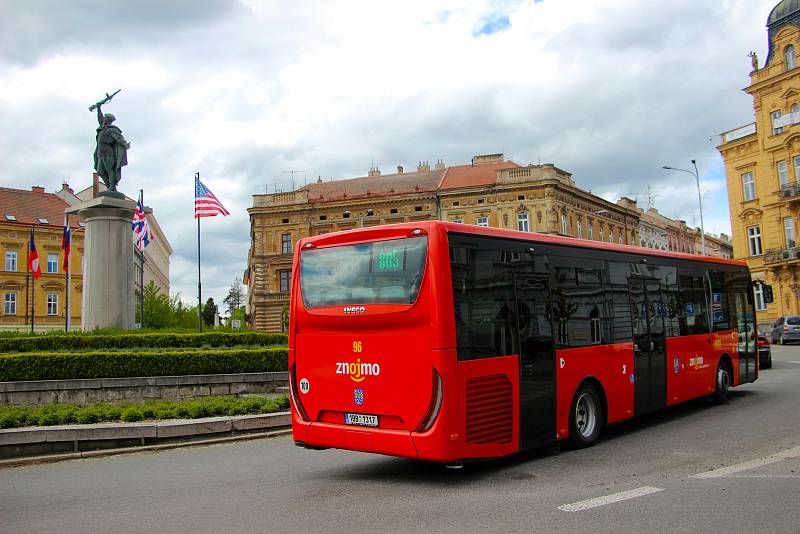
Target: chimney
x: 65, y: 187
x: 37, y: 189
x: 374, y: 171
x: 423, y: 166
x: 399, y: 169
x: 439, y: 165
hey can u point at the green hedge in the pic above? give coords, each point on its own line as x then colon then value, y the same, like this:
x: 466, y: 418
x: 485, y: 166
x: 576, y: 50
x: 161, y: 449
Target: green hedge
x: 66, y: 365
x: 148, y: 340
x: 66, y: 414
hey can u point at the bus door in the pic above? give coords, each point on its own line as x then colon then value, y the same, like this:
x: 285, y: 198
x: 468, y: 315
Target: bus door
x: 649, y: 345
x: 537, y: 359
x: 747, y: 333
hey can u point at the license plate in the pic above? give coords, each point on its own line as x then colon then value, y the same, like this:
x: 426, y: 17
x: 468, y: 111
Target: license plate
x: 360, y: 419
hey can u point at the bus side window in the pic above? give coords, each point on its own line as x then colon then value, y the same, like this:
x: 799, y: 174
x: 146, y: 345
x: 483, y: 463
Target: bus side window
x: 693, y: 311
x: 616, y: 295
x: 484, y: 303
x: 579, y: 308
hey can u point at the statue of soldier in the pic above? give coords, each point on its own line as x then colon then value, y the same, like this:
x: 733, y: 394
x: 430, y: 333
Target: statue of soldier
x: 111, y: 153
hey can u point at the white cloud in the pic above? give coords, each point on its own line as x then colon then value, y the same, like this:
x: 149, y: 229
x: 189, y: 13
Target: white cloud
x: 608, y: 90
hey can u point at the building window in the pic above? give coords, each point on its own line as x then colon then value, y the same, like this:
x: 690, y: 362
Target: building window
x: 286, y: 243
x: 522, y: 222
x: 393, y: 211
x: 285, y: 280
x: 749, y: 186
x: 11, y: 261
x: 797, y: 168
x: 483, y: 221
x: 758, y: 290
x: 52, y: 263
x: 564, y: 229
x: 417, y: 208
x: 456, y: 204
x: 10, y: 304
x: 458, y: 221
x: 789, y: 59
x: 610, y: 234
x: 589, y: 230
x: 775, y: 115
x: 602, y: 237
x: 783, y: 173
x: 620, y: 237
x: 52, y: 304
x: 323, y: 217
x: 754, y: 240
x: 520, y: 197
x: 580, y: 228
x: 788, y: 230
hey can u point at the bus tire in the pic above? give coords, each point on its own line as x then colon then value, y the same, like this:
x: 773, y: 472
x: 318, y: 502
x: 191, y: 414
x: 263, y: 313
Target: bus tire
x: 722, y: 382
x: 585, y: 417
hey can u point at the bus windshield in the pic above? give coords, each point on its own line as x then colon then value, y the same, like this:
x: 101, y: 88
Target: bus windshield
x: 388, y: 272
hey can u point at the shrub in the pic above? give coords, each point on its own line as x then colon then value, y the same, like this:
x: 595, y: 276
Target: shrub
x: 64, y: 341
x: 60, y: 414
x: 65, y: 365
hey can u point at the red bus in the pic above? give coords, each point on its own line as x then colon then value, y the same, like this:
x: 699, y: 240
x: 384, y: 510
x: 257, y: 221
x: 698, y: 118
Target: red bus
x: 451, y: 342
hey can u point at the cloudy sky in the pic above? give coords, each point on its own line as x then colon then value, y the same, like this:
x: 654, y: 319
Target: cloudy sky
x: 243, y: 91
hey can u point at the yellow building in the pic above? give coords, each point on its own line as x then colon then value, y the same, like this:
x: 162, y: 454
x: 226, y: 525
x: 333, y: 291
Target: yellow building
x: 490, y: 191
x: 762, y: 163
x: 19, y: 211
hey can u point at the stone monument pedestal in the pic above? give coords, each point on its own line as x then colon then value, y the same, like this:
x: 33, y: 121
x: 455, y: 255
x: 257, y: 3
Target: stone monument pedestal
x: 108, y: 271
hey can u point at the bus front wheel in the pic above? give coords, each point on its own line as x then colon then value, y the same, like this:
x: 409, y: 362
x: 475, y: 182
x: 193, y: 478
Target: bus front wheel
x: 722, y: 382
x: 586, y: 417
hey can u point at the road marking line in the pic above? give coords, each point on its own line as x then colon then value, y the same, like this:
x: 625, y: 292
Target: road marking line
x: 792, y: 361
x: 752, y: 464
x: 763, y: 476
x: 608, y: 499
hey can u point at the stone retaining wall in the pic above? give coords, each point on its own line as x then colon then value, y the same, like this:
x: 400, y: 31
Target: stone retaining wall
x: 135, y: 389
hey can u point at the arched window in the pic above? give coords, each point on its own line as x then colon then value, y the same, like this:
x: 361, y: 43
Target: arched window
x: 789, y: 59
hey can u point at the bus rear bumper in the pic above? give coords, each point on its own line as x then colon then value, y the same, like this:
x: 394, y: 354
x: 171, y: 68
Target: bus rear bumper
x: 381, y: 441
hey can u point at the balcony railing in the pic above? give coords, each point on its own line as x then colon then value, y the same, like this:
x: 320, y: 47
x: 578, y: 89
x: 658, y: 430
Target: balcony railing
x: 277, y: 297
x: 778, y: 255
x: 790, y: 190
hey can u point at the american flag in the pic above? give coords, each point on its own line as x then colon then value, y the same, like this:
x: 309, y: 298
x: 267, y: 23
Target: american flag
x: 141, y: 229
x: 205, y: 203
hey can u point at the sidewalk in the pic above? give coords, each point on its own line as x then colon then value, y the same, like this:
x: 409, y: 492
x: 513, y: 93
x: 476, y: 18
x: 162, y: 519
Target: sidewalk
x: 22, y: 446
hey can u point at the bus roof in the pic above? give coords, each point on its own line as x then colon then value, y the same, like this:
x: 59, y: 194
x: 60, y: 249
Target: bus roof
x: 396, y: 230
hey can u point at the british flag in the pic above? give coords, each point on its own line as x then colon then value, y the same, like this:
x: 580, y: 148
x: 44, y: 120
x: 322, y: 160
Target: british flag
x: 141, y: 229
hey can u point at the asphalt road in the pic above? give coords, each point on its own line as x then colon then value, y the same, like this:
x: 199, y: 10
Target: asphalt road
x: 656, y: 474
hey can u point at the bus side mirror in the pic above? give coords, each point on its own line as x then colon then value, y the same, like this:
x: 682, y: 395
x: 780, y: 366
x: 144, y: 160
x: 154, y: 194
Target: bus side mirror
x: 768, y: 299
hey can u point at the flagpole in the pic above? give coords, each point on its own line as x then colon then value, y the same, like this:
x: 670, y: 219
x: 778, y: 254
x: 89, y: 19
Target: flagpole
x: 141, y: 267
x: 66, y: 276
x: 199, y: 286
x: 33, y: 282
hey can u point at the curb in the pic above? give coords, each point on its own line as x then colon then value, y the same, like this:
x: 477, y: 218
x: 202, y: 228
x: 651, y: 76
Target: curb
x: 119, y: 438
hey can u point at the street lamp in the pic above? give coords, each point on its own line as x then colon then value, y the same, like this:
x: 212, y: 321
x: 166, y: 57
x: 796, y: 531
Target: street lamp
x: 699, y: 201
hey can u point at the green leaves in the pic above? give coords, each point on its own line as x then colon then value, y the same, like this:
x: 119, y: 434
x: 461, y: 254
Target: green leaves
x: 120, y: 364
x: 64, y: 414
x: 128, y: 341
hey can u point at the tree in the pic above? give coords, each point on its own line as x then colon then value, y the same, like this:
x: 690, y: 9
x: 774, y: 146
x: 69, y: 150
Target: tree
x: 163, y: 311
x: 209, y: 311
x: 235, y: 298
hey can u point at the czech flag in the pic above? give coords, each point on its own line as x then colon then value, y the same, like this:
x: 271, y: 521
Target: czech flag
x: 33, y: 259
x: 65, y: 243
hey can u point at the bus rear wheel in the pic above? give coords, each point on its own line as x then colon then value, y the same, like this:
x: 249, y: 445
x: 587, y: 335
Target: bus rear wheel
x: 722, y: 383
x: 586, y: 417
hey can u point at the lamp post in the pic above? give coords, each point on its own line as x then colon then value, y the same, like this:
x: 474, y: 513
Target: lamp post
x: 699, y: 201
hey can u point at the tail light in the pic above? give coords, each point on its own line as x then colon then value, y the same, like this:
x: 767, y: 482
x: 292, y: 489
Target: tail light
x: 298, y: 406
x: 435, y: 405
x: 786, y: 328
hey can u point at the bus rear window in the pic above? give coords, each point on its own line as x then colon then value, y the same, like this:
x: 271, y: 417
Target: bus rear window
x: 387, y: 272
